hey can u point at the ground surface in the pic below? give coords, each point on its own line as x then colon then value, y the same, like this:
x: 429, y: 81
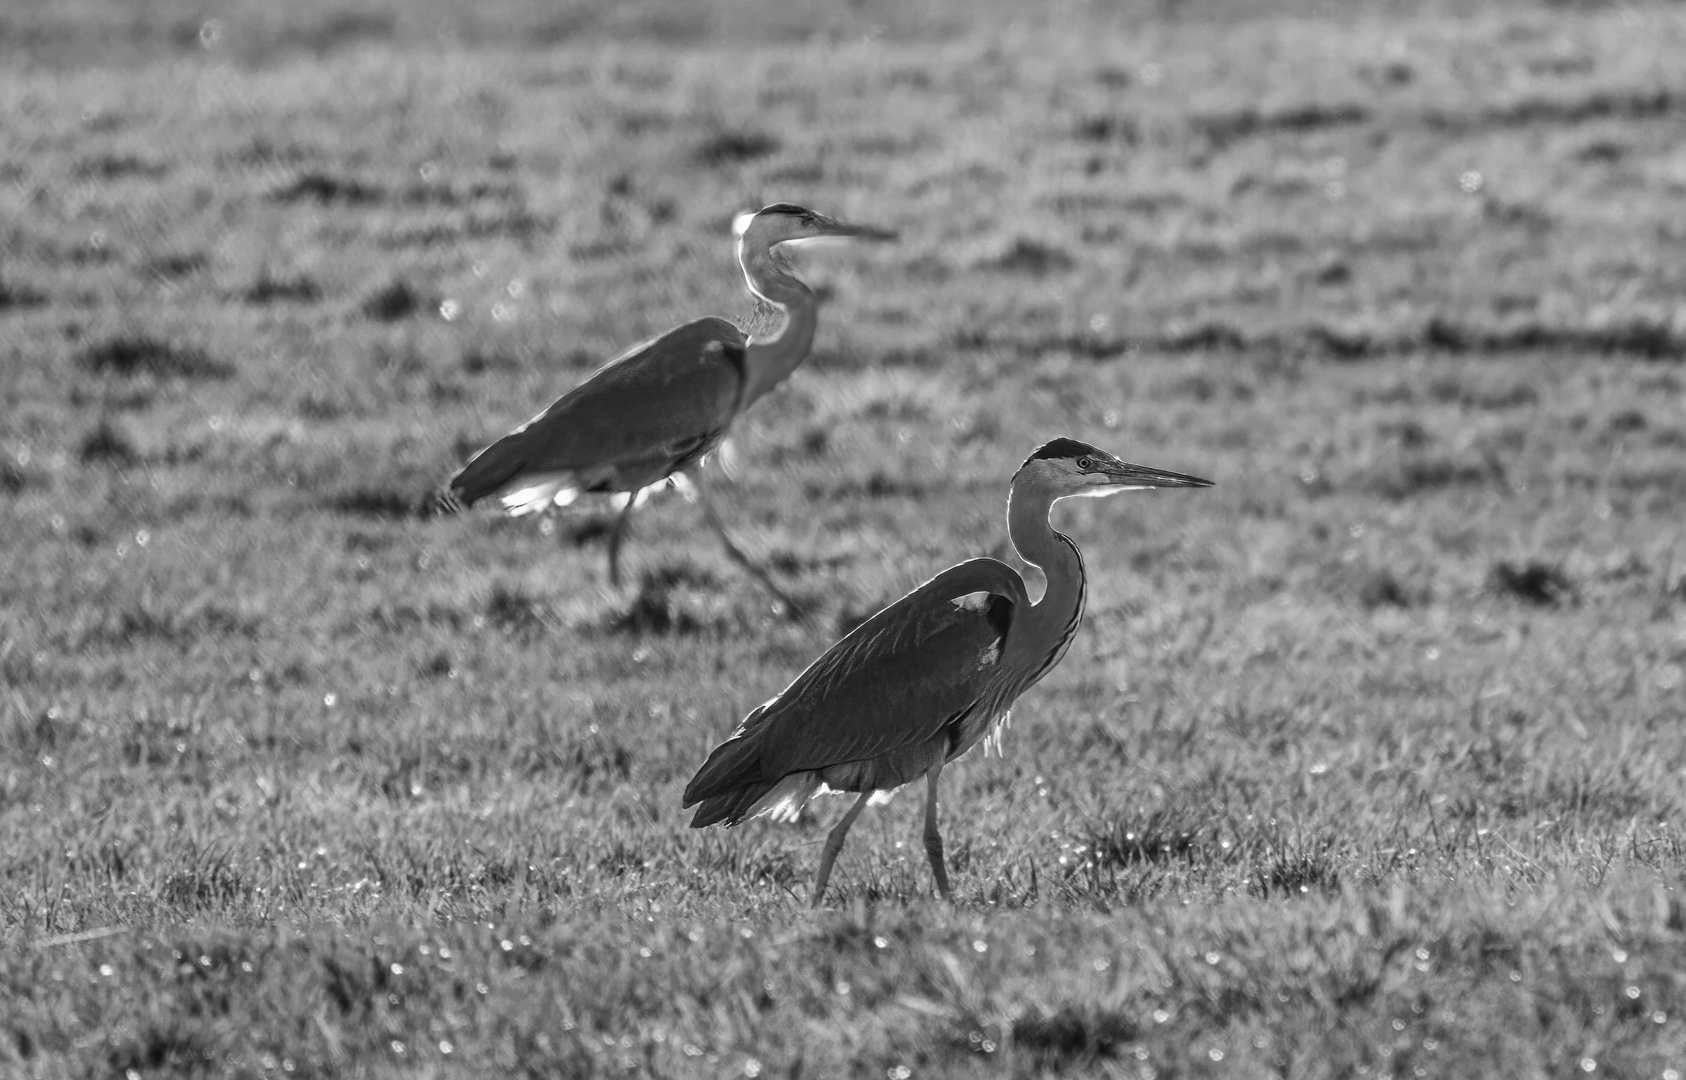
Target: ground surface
x: 1368, y: 761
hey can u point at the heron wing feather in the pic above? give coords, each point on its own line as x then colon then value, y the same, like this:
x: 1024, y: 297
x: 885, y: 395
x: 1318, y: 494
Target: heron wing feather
x: 663, y: 398
x: 894, y: 681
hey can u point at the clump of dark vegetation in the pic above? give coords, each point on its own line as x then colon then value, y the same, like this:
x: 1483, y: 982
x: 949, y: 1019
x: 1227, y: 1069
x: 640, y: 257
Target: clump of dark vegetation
x: 1381, y: 589
x: 405, y: 618
x: 1208, y: 336
x: 316, y: 405
x: 119, y: 166
x: 1109, y: 128
x: 1159, y: 837
x: 1333, y: 271
x: 323, y: 188
x: 378, y: 503
x: 1533, y: 582
x: 209, y: 880
x: 1221, y: 129
x: 270, y: 289
x: 1070, y: 1037
x: 139, y: 622
x: 1416, y: 476
x: 16, y: 477
x: 19, y: 296
x: 582, y: 529
x: 511, y: 608
x: 171, y: 1046
x: 178, y: 264
x: 437, y: 666
x: 1599, y: 105
x: 1625, y: 421
x: 1295, y: 870
x: 396, y: 300
x: 658, y: 608
x: 131, y: 355
x: 1027, y: 256
x: 734, y: 147
x: 877, y: 484
x: 107, y: 444
x: 478, y: 361
x: 1652, y: 339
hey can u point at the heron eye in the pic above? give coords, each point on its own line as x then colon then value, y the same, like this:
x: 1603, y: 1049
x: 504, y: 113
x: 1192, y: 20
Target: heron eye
x: 1084, y: 464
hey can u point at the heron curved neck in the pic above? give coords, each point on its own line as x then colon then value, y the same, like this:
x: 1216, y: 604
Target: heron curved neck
x: 1052, y: 620
x: 771, y: 357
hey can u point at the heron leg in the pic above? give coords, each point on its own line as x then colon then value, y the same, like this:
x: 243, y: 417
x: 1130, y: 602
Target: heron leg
x: 736, y: 554
x: 933, y: 838
x: 617, y: 533
x: 834, y: 844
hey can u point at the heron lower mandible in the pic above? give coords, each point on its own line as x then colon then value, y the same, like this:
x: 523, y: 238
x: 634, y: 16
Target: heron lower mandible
x: 656, y: 411
x: 927, y: 678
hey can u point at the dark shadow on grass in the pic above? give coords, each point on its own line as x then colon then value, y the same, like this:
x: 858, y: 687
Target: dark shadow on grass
x: 511, y: 608
x: 1296, y: 870
x: 735, y: 147
x: 161, y: 1046
x: 396, y: 300
x: 1380, y: 588
x: 377, y: 503
x: 132, y: 355
x: 110, y: 167
x: 14, y: 296
x: 139, y: 623
x: 269, y: 289
x: 1537, y: 583
x: 1418, y: 475
x: 177, y: 264
x: 1221, y: 129
x: 1637, y: 336
x: 659, y: 608
x: 1068, y: 1038
x: 324, y: 188
x: 1161, y: 836
x: 15, y: 478
x: 1032, y: 257
x: 108, y: 445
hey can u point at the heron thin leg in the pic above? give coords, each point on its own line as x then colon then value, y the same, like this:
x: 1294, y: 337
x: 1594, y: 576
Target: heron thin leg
x: 933, y: 839
x: 834, y: 844
x: 736, y: 553
x: 617, y: 533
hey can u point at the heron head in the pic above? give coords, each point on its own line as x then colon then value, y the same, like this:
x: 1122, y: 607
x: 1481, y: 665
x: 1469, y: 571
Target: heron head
x: 1074, y: 469
x: 786, y: 223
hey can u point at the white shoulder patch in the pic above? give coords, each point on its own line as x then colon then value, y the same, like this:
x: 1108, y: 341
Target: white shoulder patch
x: 973, y: 601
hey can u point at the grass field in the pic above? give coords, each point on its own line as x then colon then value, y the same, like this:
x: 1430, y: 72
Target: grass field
x: 1368, y: 761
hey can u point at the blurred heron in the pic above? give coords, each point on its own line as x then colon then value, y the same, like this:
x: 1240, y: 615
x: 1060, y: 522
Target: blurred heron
x: 656, y: 411
x: 927, y: 678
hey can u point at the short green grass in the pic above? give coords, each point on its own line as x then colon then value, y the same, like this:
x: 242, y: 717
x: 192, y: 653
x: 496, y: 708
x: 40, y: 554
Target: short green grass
x: 1368, y: 761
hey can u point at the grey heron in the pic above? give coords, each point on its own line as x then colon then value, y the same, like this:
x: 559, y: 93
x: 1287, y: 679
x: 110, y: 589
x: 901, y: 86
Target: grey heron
x: 657, y: 410
x: 928, y: 677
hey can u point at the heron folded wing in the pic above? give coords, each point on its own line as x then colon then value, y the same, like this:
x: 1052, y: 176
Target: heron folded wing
x: 656, y: 399
x: 899, y: 678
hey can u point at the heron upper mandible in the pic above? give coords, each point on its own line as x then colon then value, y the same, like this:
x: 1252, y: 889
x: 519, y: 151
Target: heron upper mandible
x: 659, y: 408
x: 925, y: 679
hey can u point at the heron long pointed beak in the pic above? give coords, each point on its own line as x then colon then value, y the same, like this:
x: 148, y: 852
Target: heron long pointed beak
x: 1125, y: 476
x: 830, y: 227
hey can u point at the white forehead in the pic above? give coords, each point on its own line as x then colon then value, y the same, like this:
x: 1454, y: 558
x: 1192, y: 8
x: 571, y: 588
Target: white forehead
x: 741, y: 222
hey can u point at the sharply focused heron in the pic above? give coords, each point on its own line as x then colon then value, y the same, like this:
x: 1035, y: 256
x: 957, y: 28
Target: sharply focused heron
x: 657, y: 410
x: 926, y: 679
